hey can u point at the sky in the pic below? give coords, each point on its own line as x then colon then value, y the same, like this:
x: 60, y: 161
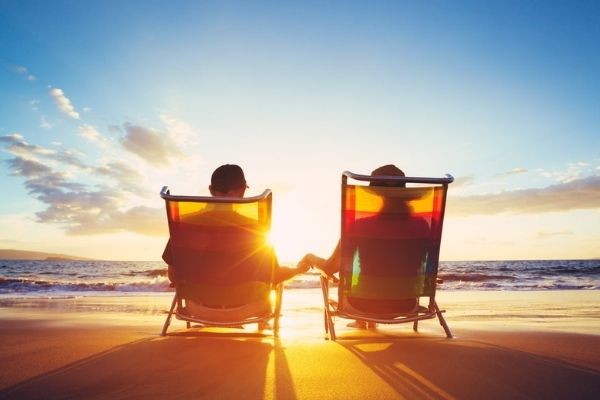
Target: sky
x: 104, y: 102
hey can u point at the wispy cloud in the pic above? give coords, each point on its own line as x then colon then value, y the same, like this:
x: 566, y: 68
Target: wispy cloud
x: 21, y: 70
x: 516, y: 171
x: 89, y: 132
x: 462, y: 181
x: 70, y: 157
x: 574, y: 170
x: 79, y: 207
x: 582, y: 193
x: 547, y: 234
x: 44, y: 124
x: 63, y: 103
x: 28, y: 168
x: 16, y: 144
x: 125, y: 178
x: 179, y: 130
x: 155, y: 147
x: 82, y: 211
x: 512, y: 172
x: 92, y: 134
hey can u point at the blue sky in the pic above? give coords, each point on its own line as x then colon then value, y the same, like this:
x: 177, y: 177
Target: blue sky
x: 102, y: 103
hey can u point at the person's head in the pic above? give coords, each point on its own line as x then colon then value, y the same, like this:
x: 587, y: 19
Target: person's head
x: 387, y: 170
x: 228, y: 181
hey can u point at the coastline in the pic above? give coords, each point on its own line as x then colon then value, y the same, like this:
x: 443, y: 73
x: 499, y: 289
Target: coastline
x: 508, y: 344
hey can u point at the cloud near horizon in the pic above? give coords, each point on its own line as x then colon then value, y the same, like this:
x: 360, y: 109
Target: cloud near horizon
x: 63, y: 103
x: 516, y: 171
x: 463, y: 181
x: 578, y: 194
x: 575, y: 170
x: 546, y: 234
x: 78, y: 208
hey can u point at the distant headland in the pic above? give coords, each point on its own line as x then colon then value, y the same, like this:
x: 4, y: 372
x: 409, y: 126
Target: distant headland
x: 12, y: 254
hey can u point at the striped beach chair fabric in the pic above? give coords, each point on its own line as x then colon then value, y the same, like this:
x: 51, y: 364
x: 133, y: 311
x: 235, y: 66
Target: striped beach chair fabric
x: 390, y: 243
x: 221, y: 263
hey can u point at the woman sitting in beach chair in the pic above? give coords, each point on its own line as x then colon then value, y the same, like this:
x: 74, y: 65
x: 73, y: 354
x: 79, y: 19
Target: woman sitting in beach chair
x: 388, y: 252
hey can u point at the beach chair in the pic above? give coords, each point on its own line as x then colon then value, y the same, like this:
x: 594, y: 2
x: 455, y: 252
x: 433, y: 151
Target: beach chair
x: 220, y: 261
x: 390, y: 242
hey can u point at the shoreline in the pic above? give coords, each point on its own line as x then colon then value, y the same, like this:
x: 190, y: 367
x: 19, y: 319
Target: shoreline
x: 574, y: 311
x: 507, y: 344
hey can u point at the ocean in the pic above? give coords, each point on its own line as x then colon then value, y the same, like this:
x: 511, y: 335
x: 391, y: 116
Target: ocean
x: 56, y: 279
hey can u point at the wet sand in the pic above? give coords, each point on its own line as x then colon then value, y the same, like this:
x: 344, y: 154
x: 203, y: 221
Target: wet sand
x: 507, y: 345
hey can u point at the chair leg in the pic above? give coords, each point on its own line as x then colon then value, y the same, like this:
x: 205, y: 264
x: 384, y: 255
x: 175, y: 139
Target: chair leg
x: 416, y: 326
x: 170, y: 314
x: 188, y: 324
x: 329, y: 328
x: 332, y: 335
x: 276, y: 326
x: 442, y: 321
x: 277, y: 311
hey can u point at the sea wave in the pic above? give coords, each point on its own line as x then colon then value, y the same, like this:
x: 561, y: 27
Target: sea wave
x: 301, y: 284
x: 23, y: 285
x: 475, y: 277
x: 21, y: 278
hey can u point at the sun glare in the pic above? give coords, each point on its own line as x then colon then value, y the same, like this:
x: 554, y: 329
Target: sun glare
x: 288, y: 244
x: 291, y: 242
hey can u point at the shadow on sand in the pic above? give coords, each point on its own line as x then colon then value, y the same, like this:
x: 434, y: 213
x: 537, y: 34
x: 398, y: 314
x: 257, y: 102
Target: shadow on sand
x: 229, y: 364
x: 423, y: 367
x: 190, y: 364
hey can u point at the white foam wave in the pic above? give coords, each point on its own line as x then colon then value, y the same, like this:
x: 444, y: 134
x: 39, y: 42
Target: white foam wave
x: 157, y: 284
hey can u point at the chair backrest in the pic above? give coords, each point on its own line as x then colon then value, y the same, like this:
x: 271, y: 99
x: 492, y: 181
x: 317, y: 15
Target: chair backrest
x: 390, y: 237
x: 219, y: 247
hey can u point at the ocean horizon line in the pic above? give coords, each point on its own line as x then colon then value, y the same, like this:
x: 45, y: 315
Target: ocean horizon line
x: 287, y: 262
x: 22, y: 276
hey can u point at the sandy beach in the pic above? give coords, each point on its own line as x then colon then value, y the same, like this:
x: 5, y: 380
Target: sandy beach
x: 508, y: 345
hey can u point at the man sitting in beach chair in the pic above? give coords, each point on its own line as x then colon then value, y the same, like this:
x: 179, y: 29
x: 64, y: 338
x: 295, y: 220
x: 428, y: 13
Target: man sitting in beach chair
x: 219, y: 260
x: 388, y: 252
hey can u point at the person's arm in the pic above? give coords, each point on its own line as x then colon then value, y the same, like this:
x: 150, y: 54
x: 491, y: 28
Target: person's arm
x: 166, y: 255
x: 282, y: 273
x: 330, y: 265
x: 285, y: 273
x: 168, y: 259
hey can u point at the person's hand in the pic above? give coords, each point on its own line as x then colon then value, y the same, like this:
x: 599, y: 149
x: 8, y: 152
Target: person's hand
x: 304, y: 264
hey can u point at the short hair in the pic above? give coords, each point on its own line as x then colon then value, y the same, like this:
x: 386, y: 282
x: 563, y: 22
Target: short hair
x: 228, y: 177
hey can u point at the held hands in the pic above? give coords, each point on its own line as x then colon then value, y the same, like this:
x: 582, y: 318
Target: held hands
x: 327, y: 267
x: 309, y: 261
x: 305, y: 264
